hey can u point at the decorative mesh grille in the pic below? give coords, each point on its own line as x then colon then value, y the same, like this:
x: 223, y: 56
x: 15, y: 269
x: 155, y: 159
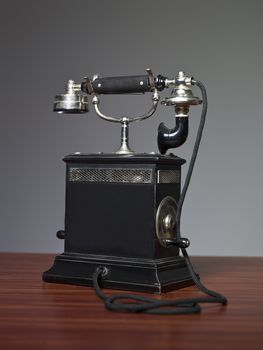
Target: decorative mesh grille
x: 168, y: 176
x: 110, y: 175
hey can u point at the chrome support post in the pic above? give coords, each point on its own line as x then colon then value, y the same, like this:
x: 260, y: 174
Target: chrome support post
x: 125, y: 148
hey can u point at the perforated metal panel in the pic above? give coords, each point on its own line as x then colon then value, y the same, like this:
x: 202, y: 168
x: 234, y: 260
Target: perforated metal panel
x: 116, y: 175
x: 168, y: 176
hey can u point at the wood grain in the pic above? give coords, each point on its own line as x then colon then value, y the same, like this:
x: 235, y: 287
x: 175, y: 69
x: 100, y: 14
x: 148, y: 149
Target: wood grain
x: 38, y: 315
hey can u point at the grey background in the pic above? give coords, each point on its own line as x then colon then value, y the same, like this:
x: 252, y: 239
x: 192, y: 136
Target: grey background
x: 44, y: 43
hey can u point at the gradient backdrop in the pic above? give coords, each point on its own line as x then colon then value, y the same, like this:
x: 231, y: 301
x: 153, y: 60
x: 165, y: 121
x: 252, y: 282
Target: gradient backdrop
x: 46, y: 42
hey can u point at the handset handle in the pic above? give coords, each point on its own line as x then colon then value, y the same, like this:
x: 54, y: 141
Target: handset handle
x: 122, y: 84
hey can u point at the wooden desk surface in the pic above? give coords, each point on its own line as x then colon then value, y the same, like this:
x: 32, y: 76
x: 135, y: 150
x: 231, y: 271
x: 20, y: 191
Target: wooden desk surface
x: 38, y: 315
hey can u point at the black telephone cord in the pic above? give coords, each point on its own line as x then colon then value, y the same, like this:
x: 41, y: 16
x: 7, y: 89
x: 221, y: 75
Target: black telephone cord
x: 135, y: 303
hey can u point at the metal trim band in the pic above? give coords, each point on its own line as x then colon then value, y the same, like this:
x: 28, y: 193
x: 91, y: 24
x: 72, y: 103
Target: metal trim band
x: 168, y: 176
x: 110, y: 175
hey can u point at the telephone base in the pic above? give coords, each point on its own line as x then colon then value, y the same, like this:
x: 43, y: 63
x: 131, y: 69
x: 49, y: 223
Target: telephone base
x: 144, y: 275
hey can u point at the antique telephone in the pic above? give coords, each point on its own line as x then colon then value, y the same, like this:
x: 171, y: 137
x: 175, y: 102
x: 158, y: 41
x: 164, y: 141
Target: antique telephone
x: 122, y: 219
